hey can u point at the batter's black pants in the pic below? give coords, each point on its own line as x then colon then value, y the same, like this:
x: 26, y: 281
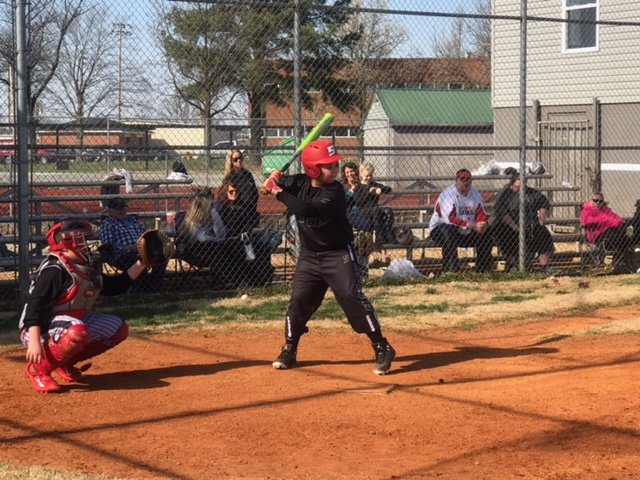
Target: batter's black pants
x: 315, y: 273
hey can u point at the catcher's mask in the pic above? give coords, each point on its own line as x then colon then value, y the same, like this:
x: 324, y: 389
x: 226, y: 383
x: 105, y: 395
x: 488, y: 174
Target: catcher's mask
x: 318, y: 153
x: 71, y: 234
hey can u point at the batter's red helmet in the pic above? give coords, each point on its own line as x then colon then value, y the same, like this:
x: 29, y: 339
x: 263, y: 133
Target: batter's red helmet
x: 318, y: 153
x: 69, y: 234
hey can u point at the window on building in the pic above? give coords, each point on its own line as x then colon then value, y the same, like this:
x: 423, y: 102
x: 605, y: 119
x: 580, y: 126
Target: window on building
x: 582, y: 36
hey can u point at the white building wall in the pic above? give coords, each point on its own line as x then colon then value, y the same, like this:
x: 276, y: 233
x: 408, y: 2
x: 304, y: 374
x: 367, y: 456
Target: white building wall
x: 612, y: 73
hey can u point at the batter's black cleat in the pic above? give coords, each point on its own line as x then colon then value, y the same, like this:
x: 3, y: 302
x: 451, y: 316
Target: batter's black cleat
x: 384, y: 356
x: 287, y: 358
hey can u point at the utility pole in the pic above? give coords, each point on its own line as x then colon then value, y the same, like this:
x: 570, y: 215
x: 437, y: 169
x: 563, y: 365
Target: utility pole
x: 121, y: 29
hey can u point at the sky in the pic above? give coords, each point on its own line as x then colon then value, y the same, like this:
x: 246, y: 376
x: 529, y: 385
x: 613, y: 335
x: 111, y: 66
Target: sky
x: 138, y: 46
x: 422, y: 28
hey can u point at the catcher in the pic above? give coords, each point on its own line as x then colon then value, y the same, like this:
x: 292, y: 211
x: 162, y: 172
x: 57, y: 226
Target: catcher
x: 56, y: 325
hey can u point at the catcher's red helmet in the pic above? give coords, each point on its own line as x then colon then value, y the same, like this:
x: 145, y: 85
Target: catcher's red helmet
x: 70, y: 234
x: 318, y: 153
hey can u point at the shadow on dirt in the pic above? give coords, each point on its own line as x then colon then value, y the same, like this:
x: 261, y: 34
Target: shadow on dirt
x: 155, y: 377
x: 465, y: 354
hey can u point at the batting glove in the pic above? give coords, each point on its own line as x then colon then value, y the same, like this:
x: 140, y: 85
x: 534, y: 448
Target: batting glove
x: 271, y: 186
x: 275, y: 175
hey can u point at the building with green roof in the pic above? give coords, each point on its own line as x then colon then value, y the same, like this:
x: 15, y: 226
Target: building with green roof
x: 437, y: 130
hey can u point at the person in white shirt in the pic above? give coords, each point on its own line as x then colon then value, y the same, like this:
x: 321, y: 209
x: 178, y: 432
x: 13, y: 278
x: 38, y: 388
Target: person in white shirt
x: 460, y: 220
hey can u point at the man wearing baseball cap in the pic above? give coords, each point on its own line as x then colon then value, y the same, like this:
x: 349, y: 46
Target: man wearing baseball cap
x: 119, y: 233
x: 460, y: 220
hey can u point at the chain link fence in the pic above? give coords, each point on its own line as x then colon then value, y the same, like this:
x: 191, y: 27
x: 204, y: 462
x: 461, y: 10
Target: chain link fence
x: 144, y: 100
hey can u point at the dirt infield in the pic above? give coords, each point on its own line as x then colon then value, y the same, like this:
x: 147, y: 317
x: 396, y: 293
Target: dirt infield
x: 530, y: 400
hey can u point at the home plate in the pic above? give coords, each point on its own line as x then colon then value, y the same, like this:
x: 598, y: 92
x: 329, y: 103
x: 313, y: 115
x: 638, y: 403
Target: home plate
x: 372, y: 390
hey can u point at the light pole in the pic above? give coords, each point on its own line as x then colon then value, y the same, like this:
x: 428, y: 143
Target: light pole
x: 121, y: 29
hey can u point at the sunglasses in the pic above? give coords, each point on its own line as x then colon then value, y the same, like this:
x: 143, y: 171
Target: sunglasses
x: 597, y: 200
x: 236, y: 159
x: 232, y: 192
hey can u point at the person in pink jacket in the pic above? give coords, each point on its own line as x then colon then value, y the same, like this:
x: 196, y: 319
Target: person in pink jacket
x: 603, y: 226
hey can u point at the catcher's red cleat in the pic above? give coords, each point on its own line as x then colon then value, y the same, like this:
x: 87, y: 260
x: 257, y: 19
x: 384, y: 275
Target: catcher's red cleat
x: 71, y: 374
x: 42, y: 382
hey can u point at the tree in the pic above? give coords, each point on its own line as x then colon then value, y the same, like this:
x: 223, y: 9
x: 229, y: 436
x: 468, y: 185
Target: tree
x: 176, y: 108
x: 86, y: 80
x: 480, y: 29
x: 452, y: 43
x: 217, y: 52
x: 203, y: 56
x: 48, y: 22
x: 465, y: 36
x: 376, y: 37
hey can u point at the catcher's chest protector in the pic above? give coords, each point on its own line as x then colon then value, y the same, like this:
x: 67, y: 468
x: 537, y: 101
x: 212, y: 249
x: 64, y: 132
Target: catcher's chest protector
x: 83, y: 292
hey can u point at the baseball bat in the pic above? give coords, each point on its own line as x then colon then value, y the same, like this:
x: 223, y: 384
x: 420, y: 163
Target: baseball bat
x: 314, y: 134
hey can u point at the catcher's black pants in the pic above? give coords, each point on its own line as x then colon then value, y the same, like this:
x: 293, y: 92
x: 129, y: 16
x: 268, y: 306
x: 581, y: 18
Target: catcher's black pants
x: 315, y: 272
x: 150, y: 281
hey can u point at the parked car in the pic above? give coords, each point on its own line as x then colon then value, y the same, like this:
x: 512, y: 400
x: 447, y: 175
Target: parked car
x: 116, y: 154
x: 6, y: 153
x: 156, y: 154
x: 43, y: 155
x: 66, y: 154
x: 92, y: 155
x: 220, y: 149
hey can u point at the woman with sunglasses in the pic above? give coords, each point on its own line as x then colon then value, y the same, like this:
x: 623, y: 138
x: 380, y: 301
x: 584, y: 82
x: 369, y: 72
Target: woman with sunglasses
x: 242, y: 270
x: 237, y: 218
x: 603, y: 226
x: 242, y: 178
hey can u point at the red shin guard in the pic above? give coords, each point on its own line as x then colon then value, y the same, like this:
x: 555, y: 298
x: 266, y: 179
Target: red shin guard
x: 57, y: 351
x: 70, y: 373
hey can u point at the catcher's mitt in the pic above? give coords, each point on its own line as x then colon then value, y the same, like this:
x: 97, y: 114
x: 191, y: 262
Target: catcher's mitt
x: 155, y: 248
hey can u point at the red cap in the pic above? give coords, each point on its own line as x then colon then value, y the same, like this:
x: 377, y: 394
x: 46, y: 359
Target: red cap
x: 464, y: 173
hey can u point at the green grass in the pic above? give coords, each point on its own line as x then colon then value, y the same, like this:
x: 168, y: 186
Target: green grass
x: 466, y: 326
x: 150, y: 312
x: 511, y: 298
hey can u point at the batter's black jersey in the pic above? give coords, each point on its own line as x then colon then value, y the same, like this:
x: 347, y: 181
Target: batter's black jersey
x: 321, y: 213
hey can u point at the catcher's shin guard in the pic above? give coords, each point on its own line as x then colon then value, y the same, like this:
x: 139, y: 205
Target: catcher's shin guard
x: 70, y: 373
x: 57, y: 351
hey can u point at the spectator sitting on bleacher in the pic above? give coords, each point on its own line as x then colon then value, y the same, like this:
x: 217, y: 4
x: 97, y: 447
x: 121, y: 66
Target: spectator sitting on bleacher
x: 460, y: 220
x: 201, y: 222
x: 362, y: 224
x: 201, y: 237
x: 351, y: 180
x: 603, y: 226
x: 506, y: 224
x: 366, y: 199
x: 634, y: 223
x: 234, y: 213
x: 119, y: 233
x: 245, y: 183
x: 253, y: 262
x: 206, y: 241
